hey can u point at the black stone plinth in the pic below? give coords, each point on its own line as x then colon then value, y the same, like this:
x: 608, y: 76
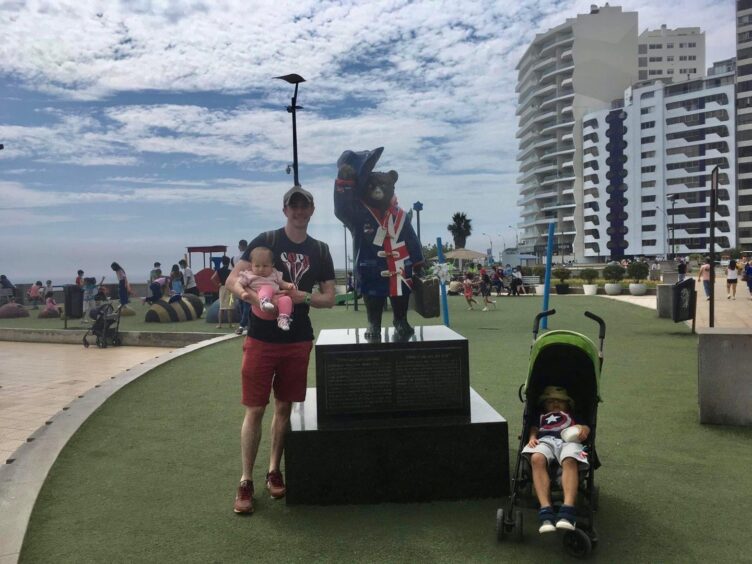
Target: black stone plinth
x: 406, y: 460
x: 427, y: 375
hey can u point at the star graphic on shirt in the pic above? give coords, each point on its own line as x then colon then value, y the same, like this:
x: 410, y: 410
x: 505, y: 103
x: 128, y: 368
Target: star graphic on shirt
x: 552, y: 418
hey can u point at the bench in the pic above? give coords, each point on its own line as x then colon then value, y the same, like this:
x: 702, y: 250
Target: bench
x: 530, y: 281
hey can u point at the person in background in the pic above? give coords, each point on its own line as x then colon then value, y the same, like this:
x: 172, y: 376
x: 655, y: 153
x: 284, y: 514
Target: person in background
x: 47, y: 289
x: 34, y: 293
x: 732, y: 277
x: 159, y: 288
x: 90, y: 292
x: 155, y: 272
x: 225, y: 306
x: 681, y: 268
x: 80, y: 279
x: 50, y: 305
x: 176, y: 283
x: 189, y: 280
x: 467, y: 290
x: 748, y: 277
x: 123, y: 286
x: 704, y: 277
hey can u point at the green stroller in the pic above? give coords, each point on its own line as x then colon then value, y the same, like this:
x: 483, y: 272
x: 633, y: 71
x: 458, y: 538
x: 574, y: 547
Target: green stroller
x: 572, y: 361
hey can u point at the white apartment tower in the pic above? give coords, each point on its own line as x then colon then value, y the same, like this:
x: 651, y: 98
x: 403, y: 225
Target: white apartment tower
x: 677, y: 54
x: 574, y: 68
x: 744, y: 120
x: 647, y: 169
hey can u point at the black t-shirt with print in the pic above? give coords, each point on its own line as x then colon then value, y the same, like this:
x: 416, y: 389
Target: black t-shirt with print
x: 304, y: 264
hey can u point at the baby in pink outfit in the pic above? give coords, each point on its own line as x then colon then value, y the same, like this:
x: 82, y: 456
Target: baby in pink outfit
x: 267, y: 281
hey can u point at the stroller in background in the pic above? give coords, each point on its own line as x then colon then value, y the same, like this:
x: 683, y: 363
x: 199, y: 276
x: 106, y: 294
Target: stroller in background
x: 104, y: 316
x: 572, y: 361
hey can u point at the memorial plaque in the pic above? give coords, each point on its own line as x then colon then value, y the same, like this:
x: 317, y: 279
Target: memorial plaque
x: 425, y: 376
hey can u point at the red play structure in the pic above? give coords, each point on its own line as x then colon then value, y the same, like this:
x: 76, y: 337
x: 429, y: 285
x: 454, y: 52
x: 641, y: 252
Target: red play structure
x: 203, y: 276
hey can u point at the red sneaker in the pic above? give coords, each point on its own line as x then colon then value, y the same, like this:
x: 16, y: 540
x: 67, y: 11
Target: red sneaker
x: 275, y: 483
x: 244, y: 498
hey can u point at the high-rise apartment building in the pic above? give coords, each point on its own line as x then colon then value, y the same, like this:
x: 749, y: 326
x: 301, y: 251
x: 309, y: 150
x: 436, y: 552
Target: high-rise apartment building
x: 744, y: 120
x: 574, y: 68
x: 678, y: 54
x: 647, y: 168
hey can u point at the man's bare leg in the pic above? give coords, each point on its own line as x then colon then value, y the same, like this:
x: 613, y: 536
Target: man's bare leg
x: 250, y: 437
x: 280, y: 422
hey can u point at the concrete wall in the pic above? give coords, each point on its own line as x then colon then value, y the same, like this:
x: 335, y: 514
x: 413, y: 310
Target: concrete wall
x: 723, y: 380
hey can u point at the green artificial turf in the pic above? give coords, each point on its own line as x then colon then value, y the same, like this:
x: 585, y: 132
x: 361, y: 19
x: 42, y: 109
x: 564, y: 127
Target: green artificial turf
x: 151, y: 476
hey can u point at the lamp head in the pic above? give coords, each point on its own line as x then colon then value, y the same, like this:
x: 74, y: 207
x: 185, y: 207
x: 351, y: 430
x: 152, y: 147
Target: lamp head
x: 291, y: 78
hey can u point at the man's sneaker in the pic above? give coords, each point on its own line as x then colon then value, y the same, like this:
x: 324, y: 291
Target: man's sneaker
x: 239, y: 330
x: 275, y: 483
x: 546, y: 520
x: 566, y: 518
x: 244, y: 498
x: 266, y: 304
x: 283, y: 322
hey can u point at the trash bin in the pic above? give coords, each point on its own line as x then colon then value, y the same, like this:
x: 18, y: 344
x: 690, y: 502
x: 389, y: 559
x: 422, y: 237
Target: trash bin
x: 73, y: 296
x: 683, y: 300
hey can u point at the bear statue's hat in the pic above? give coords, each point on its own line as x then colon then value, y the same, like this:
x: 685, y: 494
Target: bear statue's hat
x: 362, y: 162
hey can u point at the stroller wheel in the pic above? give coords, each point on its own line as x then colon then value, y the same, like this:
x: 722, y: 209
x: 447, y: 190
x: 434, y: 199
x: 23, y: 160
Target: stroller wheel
x: 501, y: 532
x: 593, y: 534
x: 116, y: 341
x: 577, y: 543
x: 518, y: 525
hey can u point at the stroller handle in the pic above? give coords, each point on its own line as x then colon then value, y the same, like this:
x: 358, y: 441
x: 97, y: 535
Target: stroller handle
x: 600, y: 322
x: 538, y: 317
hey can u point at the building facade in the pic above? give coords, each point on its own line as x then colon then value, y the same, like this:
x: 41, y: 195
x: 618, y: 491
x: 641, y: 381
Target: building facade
x: 744, y: 120
x: 678, y: 54
x: 647, y: 165
x: 576, y: 67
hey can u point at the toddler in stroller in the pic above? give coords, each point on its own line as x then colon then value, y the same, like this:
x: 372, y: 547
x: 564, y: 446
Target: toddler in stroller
x: 104, y: 316
x: 557, y: 459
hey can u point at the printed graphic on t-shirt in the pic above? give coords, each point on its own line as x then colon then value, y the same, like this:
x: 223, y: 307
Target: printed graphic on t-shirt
x: 297, y: 265
x: 554, y: 423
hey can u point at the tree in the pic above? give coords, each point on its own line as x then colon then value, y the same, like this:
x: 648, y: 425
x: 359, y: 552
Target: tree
x: 430, y: 251
x: 460, y: 229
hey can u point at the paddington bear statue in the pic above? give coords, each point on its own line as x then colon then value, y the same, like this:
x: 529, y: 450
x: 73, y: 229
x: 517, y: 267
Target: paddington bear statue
x: 387, y: 250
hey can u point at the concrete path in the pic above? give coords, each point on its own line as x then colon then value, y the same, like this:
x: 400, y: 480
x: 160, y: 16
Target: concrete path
x: 38, y: 379
x: 728, y: 313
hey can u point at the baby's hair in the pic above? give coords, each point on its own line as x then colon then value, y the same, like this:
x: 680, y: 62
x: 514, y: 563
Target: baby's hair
x: 257, y: 250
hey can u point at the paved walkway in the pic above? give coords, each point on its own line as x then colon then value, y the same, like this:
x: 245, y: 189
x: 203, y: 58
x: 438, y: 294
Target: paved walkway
x: 38, y: 379
x: 728, y: 312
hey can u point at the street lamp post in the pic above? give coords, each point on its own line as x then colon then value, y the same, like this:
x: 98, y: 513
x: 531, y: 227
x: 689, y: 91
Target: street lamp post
x: 672, y: 197
x: 490, y: 243
x: 665, y: 229
x: 294, y: 79
x: 418, y: 207
x: 516, y: 240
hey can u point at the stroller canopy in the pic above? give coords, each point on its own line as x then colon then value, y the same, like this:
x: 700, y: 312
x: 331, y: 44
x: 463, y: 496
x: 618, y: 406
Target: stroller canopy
x: 570, y: 360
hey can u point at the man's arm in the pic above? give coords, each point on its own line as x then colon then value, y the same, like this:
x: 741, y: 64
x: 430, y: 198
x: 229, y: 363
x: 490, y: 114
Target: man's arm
x: 324, y: 298
x: 233, y: 284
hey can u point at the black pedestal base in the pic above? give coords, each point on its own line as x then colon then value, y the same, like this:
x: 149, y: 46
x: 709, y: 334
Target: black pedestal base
x: 396, y: 461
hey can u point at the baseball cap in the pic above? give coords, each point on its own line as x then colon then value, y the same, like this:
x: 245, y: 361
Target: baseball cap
x: 297, y: 190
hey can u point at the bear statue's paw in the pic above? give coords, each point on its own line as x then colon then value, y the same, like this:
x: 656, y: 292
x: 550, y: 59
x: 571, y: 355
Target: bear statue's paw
x: 373, y: 333
x: 402, y: 329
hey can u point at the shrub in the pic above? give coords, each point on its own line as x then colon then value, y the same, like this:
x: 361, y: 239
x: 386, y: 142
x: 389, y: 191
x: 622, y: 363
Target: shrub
x: 539, y: 270
x: 613, y: 272
x: 638, y: 270
x: 561, y: 273
x: 589, y: 275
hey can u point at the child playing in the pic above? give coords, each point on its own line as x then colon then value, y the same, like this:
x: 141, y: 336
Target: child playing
x: 176, y: 283
x: 485, y: 291
x: 51, y: 308
x: 467, y: 290
x: 90, y: 292
x: 34, y: 294
x: 546, y: 445
x: 267, y: 281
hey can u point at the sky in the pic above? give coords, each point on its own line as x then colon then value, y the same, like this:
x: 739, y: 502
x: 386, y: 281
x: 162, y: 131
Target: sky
x: 135, y: 129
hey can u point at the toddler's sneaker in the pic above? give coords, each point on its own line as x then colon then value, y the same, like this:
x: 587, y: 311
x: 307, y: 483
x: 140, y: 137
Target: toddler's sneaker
x: 566, y: 518
x: 283, y: 322
x: 266, y: 304
x: 546, y: 520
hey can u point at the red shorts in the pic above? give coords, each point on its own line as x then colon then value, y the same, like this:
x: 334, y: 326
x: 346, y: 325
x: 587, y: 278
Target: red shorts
x: 283, y: 366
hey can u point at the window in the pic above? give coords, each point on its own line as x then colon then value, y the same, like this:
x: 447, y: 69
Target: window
x: 669, y: 45
x: 648, y: 242
x: 682, y: 45
x: 647, y: 125
x: 648, y: 110
x: 642, y: 75
x: 647, y: 169
x: 642, y: 49
x: 648, y: 228
x: 656, y: 59
x: 655, y: 46
x: 647, y: 184
x: 648, y: 198
x: 669, y: 71
x: 646, y: 95
x: 691, y: 44
x: 670, y: 59
x: 648, y: 213
x: 691, y: 57
x: 643, y: 61
x: 649, y: 139
x: 654, y: 72
x: 682, y: 57
x: 647, y: 155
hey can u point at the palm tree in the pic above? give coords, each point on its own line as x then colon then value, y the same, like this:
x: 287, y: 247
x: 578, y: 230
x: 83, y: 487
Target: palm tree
x: 460, y: 229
